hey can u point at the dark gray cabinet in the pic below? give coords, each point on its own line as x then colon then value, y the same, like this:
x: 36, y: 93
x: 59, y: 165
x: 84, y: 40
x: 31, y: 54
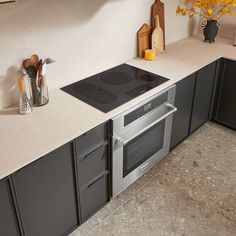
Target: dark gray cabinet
x: 93, y: 163
x: 203, y: 96
x: 194, y: 100
x: 60, y: 190
x: 46, y: 194
x: 8, y: 220
x: 225, y: 101
x: 182, y: 118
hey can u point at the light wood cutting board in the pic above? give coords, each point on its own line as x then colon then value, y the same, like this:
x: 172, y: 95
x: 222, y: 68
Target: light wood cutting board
x: 158, y: 8
x: 144, y: 39
x: 158, y: 38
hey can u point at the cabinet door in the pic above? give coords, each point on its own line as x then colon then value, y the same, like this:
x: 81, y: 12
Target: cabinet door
x: 183, y: 102
x: 203, y: 96
x: 225, y: 103
x: 46, y: 194
x: 8, y: 220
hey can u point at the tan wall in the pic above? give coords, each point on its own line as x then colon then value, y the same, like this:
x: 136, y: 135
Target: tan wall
x: 228, y: 27
x: 83, y: 36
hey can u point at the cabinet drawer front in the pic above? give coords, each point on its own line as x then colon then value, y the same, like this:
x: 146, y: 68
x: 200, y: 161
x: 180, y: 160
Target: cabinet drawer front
x: 94, y: 197
x: 93, y: 165
x: 91, y: 140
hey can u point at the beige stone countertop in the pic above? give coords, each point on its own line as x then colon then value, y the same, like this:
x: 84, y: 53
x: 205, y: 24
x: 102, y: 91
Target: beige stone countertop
x: 24, y: 139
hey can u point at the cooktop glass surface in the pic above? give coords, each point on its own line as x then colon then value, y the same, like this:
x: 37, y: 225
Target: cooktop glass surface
x: 114, y: 87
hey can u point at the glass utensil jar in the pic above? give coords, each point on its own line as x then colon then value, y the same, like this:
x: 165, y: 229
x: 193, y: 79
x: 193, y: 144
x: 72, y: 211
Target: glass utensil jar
x: 38, y: 91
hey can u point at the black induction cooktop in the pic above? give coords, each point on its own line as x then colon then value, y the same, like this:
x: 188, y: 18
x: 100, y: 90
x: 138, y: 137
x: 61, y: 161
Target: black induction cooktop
x: 114, y: 87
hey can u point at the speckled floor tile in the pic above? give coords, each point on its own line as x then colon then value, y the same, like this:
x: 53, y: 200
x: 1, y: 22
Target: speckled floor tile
x: 162, y: 210
x: 206, y: 169
x: 191, y: 192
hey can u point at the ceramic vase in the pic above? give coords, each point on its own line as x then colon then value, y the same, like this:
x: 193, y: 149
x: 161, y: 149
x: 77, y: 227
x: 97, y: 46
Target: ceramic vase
x: 210, y: 30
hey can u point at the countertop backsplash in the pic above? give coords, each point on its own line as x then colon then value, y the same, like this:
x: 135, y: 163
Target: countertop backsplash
x: 84, y: 37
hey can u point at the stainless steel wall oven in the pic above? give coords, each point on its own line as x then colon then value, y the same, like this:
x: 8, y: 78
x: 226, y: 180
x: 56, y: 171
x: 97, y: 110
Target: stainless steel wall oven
x: 141, y: 138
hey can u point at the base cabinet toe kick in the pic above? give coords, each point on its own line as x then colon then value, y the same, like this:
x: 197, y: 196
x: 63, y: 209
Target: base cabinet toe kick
x: 55, y: 194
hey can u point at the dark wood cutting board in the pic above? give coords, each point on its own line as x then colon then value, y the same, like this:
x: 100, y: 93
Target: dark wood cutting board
x: 158, y: 8
x: 144, y: 39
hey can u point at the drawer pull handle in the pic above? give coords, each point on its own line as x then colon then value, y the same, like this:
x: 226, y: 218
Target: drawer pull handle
x: 93, y: 152
x: 96, y: 180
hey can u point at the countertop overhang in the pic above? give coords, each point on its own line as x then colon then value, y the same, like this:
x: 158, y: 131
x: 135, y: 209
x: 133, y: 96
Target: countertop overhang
x: 24, y: 139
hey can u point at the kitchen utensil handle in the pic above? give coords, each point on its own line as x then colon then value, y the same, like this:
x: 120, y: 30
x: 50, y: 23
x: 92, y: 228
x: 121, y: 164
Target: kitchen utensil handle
x: 123, y: 142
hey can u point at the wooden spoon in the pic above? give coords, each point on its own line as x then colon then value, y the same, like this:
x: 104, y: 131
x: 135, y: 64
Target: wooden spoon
x: 35, y: 58
x: 27, y: 63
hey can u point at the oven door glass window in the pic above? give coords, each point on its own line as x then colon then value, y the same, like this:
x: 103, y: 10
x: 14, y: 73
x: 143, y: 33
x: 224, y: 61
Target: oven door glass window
x: 143, y: 147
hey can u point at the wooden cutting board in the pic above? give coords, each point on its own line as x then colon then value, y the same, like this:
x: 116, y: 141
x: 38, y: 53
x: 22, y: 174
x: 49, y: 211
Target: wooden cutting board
x: 158, y: 38
x: 144, y: 36
x: 158, y: 8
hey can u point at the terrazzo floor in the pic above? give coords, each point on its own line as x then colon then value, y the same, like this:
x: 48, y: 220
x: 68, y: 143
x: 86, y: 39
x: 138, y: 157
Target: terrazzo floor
x: 191, y: 192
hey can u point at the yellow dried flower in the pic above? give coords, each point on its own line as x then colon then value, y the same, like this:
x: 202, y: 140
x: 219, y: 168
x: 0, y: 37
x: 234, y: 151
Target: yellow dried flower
x: 183, y: 11
x: 208, y: 9
x: 178, y: 10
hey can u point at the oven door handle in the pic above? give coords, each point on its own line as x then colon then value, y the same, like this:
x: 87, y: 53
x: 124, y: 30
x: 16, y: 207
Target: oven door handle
x: 171, y: 109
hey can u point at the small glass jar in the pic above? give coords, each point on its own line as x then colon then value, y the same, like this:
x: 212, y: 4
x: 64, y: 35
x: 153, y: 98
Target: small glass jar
x: 38, y: 91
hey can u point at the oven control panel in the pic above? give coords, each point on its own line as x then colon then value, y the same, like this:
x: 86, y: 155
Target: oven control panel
x: 146, y: 108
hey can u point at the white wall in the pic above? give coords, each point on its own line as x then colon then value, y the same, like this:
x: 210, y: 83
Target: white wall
x: 83, y: 36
